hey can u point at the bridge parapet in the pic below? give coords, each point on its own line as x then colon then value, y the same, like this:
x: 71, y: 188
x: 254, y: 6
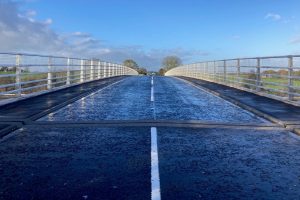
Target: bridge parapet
x: 24, y: 74
x: 277, y: 77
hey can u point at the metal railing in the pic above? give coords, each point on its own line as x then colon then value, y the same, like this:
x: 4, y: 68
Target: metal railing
x: 24, y: 74
x: 276, y: 77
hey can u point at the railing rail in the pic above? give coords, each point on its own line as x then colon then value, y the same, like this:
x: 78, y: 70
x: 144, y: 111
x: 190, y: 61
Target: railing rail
x: 23, y: 74
x: 275, y: 76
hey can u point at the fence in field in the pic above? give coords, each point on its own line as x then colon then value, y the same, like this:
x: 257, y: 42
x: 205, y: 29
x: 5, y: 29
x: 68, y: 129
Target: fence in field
x: 23, y: 74
x: 276, y: 77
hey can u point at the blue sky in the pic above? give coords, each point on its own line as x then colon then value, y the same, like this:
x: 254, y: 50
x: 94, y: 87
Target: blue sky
x: 148, y: 30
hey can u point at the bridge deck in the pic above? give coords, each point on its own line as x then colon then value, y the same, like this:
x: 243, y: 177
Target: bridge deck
x: 101, y: 147
x: 282, y: 112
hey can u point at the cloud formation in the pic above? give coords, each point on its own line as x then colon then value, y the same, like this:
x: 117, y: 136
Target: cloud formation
x: 273, y: 16
x: 21, y: 32
x: 295, y: 40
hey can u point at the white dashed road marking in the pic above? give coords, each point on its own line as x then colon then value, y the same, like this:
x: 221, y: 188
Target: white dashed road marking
x: 155, y: 182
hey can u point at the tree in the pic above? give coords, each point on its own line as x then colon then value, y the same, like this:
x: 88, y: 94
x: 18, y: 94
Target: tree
x: 142, y: 71
x: 270, y: 71
x: 131, y: 64
x: 283, y: 72
x: 4, y: 69
x: 170, y: 62
x: 161, y: 72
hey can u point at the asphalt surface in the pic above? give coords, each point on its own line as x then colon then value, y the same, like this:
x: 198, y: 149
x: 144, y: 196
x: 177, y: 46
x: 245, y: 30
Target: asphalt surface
x: 68, y: 154
x: 228, y: 164
x: 27, y: 108
x: 129, y: 99
x: 174, y: 100
x: 81, y: 163
x: 285, y: 112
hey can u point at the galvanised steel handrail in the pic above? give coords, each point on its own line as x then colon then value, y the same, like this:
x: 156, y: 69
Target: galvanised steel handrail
x: 275, y: 76
x: 22, y: 74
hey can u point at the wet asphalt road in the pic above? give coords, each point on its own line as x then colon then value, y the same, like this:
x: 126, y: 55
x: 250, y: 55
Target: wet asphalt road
x: 72, y: 163
x: 174, y: 100
x: 228, y: 164
x: 52, y: 162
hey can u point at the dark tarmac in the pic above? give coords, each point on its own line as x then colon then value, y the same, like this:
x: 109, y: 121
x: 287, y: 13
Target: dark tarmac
x: 174, y: 100
x: 287, y: 113
x: 99, y: 146
x: 30, y: 108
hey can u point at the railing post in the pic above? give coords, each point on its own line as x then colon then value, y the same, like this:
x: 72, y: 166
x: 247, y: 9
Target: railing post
x: 200, y: 70
x: 238, y: 65
x: 109, y: 69
x: 104, y: 69
x: 92, y: 70
x: 193, y: 70
x: 99, y: 67
x: 18, y: 75
x: 49, y: 75
x: 206, y: 71
x: 290, y: 79
x: 258, y: 76
x: 225, y: 72
x: 215, y: 75
x: 68, y: 72
x: 114, y: 69
x: 81, y: 71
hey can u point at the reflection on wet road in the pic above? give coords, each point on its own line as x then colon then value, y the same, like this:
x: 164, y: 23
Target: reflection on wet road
x: 174, y: 100
x: 68, y: 154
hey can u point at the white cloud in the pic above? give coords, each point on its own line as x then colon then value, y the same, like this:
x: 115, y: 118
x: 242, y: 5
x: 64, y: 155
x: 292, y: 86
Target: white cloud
x: 21, y: 32
x: 295, y: 40
x: 31, y: 13
x: 273, y: 16
x: 48, y: 21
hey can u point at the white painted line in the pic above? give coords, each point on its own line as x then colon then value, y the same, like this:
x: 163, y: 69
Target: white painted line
x: 155, y: 182
x: 152, y: 94
x: 152, y: 89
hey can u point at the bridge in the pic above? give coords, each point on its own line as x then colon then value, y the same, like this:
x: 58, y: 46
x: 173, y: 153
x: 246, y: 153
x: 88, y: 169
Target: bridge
x: 75, y: 128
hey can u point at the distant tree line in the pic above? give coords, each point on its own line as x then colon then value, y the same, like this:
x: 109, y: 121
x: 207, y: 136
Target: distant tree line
x: 133, y: 65
x: 168, y: 63
x: 281, y: 72
x: 11, y: 69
